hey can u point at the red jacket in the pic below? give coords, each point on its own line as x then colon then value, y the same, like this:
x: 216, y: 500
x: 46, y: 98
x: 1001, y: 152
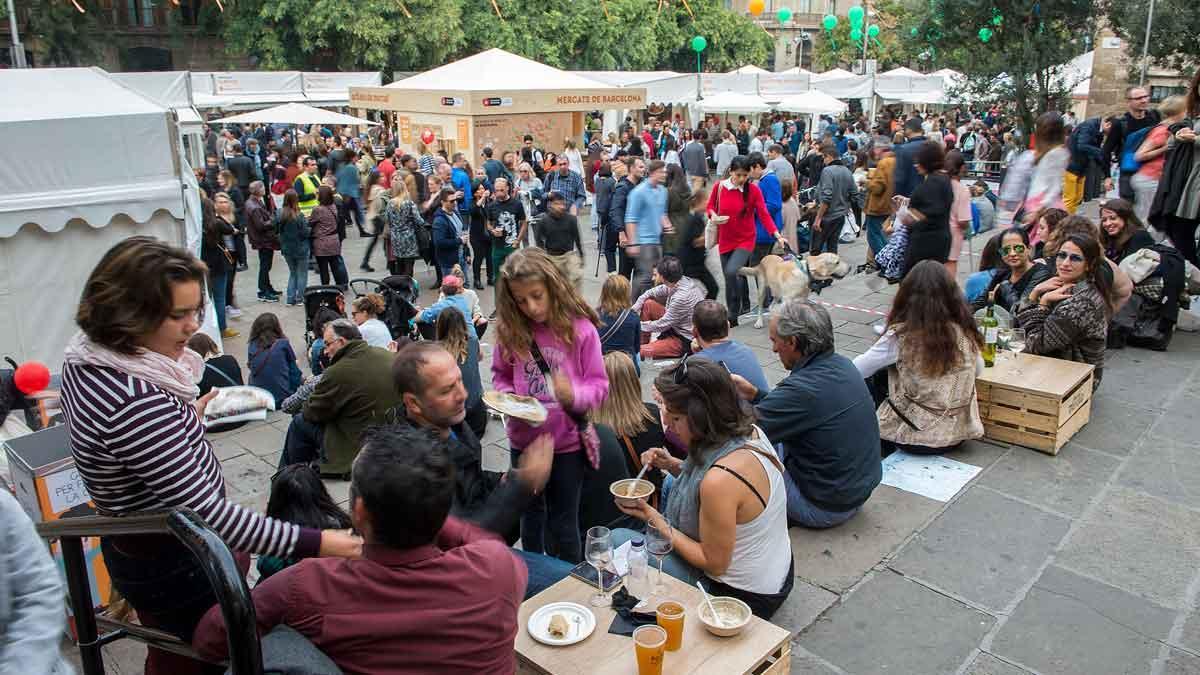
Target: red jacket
x: 738, y: 231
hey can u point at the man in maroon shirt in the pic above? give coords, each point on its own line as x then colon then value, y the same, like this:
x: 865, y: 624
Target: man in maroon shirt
x: 432, y: 593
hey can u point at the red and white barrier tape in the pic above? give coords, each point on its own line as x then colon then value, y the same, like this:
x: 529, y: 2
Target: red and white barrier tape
x: 851, y: 308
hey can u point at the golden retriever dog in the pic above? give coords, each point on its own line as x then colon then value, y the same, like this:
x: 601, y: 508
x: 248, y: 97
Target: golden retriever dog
x: 793, y: 278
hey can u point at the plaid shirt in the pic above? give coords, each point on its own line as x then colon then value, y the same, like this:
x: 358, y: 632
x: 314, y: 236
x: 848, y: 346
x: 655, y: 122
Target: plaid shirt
x: 570, y: 186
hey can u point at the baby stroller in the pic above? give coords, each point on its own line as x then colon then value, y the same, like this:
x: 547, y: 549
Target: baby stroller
x: 400, y: 293
x: 317, y: 298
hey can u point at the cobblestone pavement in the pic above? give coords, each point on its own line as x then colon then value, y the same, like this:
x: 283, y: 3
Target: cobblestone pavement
x: 1085, y: 563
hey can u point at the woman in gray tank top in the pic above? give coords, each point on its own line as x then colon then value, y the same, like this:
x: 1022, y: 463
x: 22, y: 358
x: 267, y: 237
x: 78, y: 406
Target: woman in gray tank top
x: 726, y: 502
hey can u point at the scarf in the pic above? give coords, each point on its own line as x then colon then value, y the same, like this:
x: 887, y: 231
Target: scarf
x: 175, y: 377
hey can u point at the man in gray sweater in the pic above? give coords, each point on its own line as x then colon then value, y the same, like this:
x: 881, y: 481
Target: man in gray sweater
x: 835, y: 192
x: 695, y: 162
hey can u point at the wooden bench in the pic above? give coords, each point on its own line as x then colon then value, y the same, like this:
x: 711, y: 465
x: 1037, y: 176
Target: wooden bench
x: 1034, y: 401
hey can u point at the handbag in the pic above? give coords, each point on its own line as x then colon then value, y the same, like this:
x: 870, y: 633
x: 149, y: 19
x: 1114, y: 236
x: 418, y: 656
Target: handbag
x: 711, y: 228
x: 589, y: 440
x: 422, y: 231
x: 620, y: 321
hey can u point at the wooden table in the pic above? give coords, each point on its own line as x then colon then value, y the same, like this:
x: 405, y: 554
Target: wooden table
x: 762, y: 648
x: 1034, y: 401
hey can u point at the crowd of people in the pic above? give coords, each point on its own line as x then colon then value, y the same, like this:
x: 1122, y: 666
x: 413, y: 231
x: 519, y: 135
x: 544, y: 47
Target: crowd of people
x: 398, y: 581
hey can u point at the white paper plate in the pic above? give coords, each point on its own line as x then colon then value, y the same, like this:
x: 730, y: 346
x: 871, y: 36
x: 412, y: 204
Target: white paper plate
x: 539, y: 621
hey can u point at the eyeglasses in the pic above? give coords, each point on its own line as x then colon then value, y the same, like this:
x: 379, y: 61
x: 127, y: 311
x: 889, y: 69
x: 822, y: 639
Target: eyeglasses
x: 1015, y: 248
x: 1073, y: 257
x: 1139, y: 98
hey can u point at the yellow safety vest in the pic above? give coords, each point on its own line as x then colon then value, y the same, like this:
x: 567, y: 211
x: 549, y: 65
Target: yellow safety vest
x: 307, y: 205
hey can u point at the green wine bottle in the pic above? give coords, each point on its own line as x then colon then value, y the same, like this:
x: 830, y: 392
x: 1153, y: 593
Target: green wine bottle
x: 991, y: 330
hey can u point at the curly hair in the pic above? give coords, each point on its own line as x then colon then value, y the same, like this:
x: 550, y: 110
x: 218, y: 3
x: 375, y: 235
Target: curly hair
x: 930, y: 313
x: 566, y: 304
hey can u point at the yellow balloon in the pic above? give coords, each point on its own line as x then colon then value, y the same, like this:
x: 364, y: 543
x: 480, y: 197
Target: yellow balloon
x: 756, y: 7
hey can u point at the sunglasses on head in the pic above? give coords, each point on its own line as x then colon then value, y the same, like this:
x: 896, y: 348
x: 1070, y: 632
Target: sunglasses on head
x: 1073, y: 257
x: 679, y: 376
x: 1014, y: 248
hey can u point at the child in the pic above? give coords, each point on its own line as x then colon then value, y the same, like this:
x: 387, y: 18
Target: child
x: 298, y: 496
x: 547, y: 347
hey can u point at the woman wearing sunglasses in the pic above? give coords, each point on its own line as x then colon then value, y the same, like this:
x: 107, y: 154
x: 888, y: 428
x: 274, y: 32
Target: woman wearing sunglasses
x: 1019, y: 275
x: 1066, y: 316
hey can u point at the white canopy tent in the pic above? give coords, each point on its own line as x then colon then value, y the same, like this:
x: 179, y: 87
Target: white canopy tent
x: 294, y: 113
x: 734, y: 102
x: 248, y: 90
x: 811, y: 103
x: 750, y: 69
x: 834, y: 74
x: 172, y: 89
x: 126, y: 177
x: 795, y: 70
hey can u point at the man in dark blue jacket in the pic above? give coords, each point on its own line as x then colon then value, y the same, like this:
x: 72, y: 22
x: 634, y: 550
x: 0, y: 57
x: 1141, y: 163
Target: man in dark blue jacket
x: 616, y: 210
x: 1084, y: 145
x: 821, y: 418
x: 905, y: 178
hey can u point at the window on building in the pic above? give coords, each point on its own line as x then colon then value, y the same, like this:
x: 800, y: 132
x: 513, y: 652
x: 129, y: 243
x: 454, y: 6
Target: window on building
x: 1158, y: 94
x: 139, y: 13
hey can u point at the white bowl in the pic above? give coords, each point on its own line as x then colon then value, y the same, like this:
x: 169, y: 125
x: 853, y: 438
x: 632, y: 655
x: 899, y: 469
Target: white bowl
x: 728, y: 608
x: 619, y: 490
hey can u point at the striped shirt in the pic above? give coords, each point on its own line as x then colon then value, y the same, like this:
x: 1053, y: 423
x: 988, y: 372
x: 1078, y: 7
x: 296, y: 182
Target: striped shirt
x: 139, y: 448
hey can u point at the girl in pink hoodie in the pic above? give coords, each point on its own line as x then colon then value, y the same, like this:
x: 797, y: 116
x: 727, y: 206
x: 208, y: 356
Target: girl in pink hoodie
x: 540, y: 312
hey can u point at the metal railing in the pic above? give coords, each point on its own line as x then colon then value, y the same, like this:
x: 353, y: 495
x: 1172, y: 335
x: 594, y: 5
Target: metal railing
x: 228, y: 583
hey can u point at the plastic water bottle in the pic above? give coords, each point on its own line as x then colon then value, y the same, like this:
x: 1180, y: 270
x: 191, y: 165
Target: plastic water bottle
x: 637, y: 584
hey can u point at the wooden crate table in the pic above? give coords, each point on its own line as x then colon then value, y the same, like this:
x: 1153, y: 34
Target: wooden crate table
x: 1034, y: 401
x: 762, y: 648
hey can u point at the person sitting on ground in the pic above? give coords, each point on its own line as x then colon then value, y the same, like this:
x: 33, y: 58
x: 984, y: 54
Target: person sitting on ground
x: 270, y: 358
x: 220, y: 370
x: 990, y: 265
x: 710, y: 325
x: 316, y: 354
x: 667, y: 309
x: 931, y: 350
x: 620, y: 330
x: 821, y: 418
x: 452, y: 298
x: 1121, y: 232
x: 426, y: 578
x: 1045, y: 222
x: 1121, y: 284
x: 635, y: 423
x: 728, y: 527
x: 299, y: 497
x: 365, y: 311
x: 451, y: 331
x: 1012, y: 283
x: 474, y: 309
x: 1066, y: 316
x: 355, y: 392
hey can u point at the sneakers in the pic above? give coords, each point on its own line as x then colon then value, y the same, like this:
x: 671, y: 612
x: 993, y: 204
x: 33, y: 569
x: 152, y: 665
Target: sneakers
x: 479, y: 285
x: 229, y: 333
x: 366, y: 268
x: 267, y: 298
x: 232, y: 312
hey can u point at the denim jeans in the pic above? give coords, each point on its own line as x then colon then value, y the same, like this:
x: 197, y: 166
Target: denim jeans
x: 801, y: 510
x: 351, y: 206
x: 304, y: 442
x: 544, y: 571
x: 647, y: 259
x: 217, y: 286
x: 551, y: 523
x: 468, y: 280
x: 297, y: 278
x: 284, y: 650
x: 875, y: 237
x: 265, y: 257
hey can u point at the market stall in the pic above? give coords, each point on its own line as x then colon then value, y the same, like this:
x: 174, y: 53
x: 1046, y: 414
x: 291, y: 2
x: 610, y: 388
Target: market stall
x: 172, y: 89
x: 125, y: 176
x: 295, y: 113
x: 493, y: 99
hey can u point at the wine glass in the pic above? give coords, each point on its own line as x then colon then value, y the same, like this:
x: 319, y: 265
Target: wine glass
x: 1016, y: 344
x: 598, y: 551
x: 1003, y: 337
x: 659, y: 544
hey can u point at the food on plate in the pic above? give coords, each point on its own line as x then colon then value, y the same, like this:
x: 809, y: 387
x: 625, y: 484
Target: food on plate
x: 524, y: 408
x: 558, y: 626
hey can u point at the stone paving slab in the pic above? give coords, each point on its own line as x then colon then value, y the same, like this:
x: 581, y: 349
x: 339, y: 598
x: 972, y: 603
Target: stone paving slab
x: 1166, y: 468
x: 1115, y: 425
x: 891, y: 624
x: 1181, y: 663
x: 982, y: 453
x: 985, y: 549
x: 1179, y: 421
x: 805, y: 603
x: 986, y: 664
x: 1139, y: 543
x: 1069, y: 624
x: 1065, y: 483
x: 837, y: 558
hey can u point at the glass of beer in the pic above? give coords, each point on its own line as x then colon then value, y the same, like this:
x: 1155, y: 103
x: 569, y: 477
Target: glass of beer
x: 650, y: 641
x: 670, y: 617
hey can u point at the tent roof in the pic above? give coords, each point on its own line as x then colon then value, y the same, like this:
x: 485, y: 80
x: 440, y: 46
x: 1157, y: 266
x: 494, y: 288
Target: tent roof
x: 750, y: 69
x: 947, y: 72
x: 122, y: 140
x: 834, y: 74
x: 811, y: 102
x: 294, y: 113
x: 626, y: 78
x: 796, y: 70
x: 496, y: 70
x: 906, y: 72
x: 733, y: 102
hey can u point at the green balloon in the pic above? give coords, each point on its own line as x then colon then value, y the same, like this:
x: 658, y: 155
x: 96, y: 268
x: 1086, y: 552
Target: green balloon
x: 784, y: 15
x: 829, y: 22
x: 699, y: 43
x: 997, y: 20
x: 873, y: 31
x: 856, y: 14
x: 856, y: 34
x: 985, y: 34
x: 914, y: 32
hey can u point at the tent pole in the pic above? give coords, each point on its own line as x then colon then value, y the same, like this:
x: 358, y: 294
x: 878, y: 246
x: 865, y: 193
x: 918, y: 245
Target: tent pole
x: 18, y: 50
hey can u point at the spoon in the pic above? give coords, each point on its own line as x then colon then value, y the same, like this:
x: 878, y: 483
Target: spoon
x: 713, y: 610
x: 633, y: 486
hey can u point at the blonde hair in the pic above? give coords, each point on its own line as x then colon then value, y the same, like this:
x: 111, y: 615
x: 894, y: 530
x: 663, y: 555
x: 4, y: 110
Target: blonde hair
x: 371, y: 303
x: 614, y: 294
x: 400, y: 193
x: 451, y: 330
x: 566, y: 304
x: 1172, y: 106
x: 622, y: 410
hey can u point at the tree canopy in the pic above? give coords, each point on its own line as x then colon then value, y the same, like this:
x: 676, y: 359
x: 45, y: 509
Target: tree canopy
x: 893, y: 47
x: 1173, y: 39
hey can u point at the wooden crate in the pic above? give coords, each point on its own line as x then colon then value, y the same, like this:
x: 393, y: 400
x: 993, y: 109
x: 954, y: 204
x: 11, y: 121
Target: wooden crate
x: 1034, y: 401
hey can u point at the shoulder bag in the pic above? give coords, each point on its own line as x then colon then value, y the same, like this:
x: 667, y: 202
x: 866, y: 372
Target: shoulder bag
x: 588, y: 438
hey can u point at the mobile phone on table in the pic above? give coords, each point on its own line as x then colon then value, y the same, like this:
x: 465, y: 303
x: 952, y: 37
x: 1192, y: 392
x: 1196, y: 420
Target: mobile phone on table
x: 587, y: 574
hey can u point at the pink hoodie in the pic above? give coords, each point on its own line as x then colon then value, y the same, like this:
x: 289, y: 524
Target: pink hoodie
x: 582, y: 363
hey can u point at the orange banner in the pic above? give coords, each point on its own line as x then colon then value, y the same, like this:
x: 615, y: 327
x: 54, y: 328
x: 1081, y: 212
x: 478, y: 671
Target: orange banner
x: 405, y: 129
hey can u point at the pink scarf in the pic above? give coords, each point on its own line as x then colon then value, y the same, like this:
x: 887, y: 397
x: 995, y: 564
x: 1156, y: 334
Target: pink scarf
x: 175, y: 377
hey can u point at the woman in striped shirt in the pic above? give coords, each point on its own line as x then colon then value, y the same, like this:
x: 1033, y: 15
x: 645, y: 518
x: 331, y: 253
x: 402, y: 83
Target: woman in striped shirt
x: 129, y: 396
